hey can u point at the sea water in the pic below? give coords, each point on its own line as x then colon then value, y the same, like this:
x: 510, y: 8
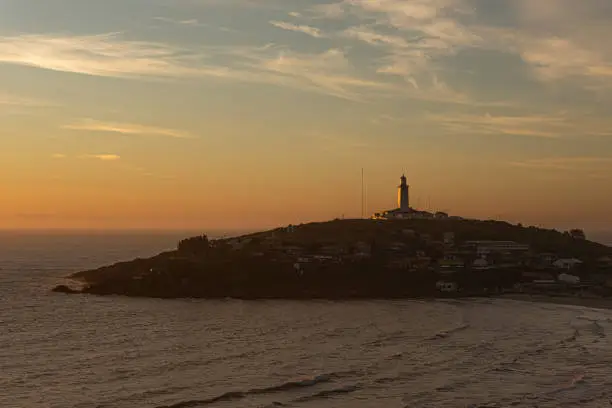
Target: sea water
x: 84, y: 351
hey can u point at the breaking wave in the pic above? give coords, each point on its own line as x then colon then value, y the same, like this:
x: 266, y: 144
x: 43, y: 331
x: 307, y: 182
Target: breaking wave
x: 237, y: 395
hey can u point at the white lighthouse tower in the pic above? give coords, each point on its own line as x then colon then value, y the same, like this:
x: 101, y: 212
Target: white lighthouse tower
x: 403, y: 196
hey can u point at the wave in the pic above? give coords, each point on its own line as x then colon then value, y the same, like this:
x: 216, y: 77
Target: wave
x: 447, y: 333
x: 236, y: 395
x: 328, y: 393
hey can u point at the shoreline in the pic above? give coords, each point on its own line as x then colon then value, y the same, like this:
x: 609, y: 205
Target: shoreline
x: 593, y: 303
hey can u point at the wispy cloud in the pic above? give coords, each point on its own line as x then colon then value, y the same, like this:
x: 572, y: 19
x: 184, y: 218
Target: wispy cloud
x: 21, y: 101
x: 533, y: 125
x: 415, y: 44
x: 566, y: 163
x: 543, y: 125
x: 108, y: 55
x: 102, y: 157
x: 59, y: 156
x: 554, y: 58
x: 330, y: 72
x: 311, y: 31
x: 125, y: 128
x: 189, y: 22
x: 105, y: 55
x: 559, y: 40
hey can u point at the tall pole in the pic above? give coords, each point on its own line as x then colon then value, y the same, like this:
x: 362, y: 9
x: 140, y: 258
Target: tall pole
x: 362, y: 196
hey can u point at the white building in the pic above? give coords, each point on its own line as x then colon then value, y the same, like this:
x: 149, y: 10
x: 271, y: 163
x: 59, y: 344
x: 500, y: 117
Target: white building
x: 448, y: 287
x: 403, y: 210
x: 487, y: 247
x: 567, y: 278
x: 569, y: 263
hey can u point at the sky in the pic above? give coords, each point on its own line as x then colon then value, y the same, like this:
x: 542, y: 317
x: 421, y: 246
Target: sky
x: 196, y: 114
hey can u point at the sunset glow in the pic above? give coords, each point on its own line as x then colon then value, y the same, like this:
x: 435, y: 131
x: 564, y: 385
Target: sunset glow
x: 245, y: 114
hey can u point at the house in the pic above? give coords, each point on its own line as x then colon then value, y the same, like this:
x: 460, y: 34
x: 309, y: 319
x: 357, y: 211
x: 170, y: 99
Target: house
x: 397, y: 247
x: 363, y: 248
x: 409, y: 233
x: 293, y: 250
x: 489, y: 247
x: 449, y: 239
x: 400, y: 263
x: 451, y: 261
x: 567, y: 278
x: 447, y: 287
x: 569, y: 263
x: 481, y: 263
x: 324, y: 258
x: 604, y: 262
x: 238, y: 244
x: 426, y: 238
x: 333, y: 250
x: 537, y: 276
x: 545, y: 259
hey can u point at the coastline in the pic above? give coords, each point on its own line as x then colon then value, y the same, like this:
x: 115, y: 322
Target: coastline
x: 593, y: 303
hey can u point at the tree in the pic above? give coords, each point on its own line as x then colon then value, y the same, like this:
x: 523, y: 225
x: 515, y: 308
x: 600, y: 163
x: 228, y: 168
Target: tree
x: 195, y: 245
x: 577, y: 234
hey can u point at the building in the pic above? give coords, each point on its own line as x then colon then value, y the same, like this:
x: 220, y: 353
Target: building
x: 490, y: 247
x: 448, y: 287
x: 403, y: 196
x: 404, y: 211
x: 567, y: 263
x: 567, y: 278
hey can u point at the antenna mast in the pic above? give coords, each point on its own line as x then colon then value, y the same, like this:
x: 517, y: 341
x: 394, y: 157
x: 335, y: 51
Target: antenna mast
x: 362, y: 196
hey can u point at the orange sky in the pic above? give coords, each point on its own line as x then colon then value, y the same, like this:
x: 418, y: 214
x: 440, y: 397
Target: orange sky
x: 215, y: 115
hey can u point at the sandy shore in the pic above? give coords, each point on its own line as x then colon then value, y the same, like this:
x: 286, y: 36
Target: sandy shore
x: 596, y: 303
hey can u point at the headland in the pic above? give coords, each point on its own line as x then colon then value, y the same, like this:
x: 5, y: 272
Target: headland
x: 368, y: 259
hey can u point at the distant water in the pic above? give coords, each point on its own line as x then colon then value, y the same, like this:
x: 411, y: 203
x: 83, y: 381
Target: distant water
x: 59, y: 351
x: 605, y: 237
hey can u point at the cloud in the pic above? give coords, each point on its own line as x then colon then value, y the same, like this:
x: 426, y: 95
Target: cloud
x: 415, y: 37
x: 311, y: 31
x: 554, y: 58
x: 103, y: 157
x: 125, y: 128
x: 329, y: 72
x: 189, y: 22
x: 558, y: 40
x: 548, y: 126
x: 108, y: 55
x: 415, y: 43
x: 542, y: 125
x: 105, y: 55
x: 566, y: 163
x: 58, y: 156
x: 20, y: 101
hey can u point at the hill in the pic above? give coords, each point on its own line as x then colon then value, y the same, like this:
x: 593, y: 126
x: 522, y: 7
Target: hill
x: 350, y: 259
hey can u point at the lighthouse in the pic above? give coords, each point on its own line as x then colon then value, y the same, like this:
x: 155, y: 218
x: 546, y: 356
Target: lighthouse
x: 403, y: 201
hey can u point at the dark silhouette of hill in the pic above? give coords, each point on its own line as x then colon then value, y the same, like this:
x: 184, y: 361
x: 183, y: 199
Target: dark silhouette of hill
x: 263, y: 265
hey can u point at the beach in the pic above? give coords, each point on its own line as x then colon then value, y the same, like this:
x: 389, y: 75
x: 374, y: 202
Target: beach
x: 592, y: 302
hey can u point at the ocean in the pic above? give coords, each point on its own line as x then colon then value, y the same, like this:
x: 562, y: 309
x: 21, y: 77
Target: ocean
x: 62, y: 351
